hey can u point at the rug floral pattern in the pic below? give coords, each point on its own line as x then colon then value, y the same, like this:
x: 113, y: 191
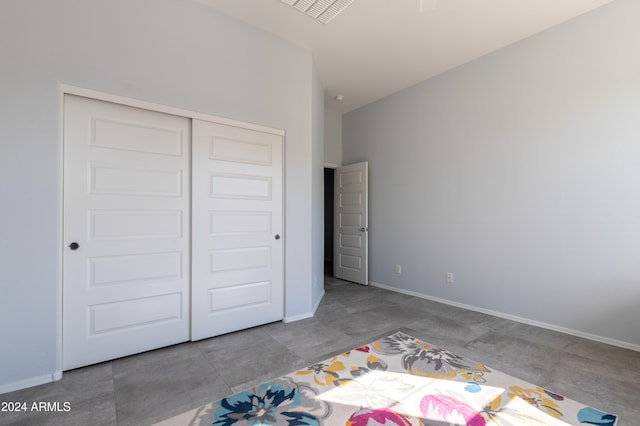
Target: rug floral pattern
x: 396, y: 380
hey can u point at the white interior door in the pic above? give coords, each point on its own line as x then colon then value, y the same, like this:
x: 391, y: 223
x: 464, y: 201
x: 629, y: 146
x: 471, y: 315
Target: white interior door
x: 126, y: 229
x: 351, y: 225
x: 237, y: 243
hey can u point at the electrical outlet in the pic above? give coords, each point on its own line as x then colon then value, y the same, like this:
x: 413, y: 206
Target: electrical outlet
x: 398, y: 268
x: 449, y: 277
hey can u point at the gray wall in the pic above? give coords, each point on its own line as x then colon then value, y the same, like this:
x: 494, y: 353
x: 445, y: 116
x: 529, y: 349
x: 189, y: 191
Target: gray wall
x: 333, y: 137
x: 317, y: 190
x: 519, y: 173
x: 172, y: 52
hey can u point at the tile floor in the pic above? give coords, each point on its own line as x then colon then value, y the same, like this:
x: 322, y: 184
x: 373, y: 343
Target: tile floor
x: 142, y: 389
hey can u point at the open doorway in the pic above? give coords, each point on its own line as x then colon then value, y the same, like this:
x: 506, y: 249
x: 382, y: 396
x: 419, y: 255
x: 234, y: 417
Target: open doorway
x: 328, y: 221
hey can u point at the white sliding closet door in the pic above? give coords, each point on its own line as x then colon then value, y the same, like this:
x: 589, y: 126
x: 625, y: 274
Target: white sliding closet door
x: 237, y: 243
x: 126, y: 258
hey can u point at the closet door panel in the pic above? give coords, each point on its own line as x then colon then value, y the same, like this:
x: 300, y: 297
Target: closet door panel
x: 237, y: 244
x: 126, y: 270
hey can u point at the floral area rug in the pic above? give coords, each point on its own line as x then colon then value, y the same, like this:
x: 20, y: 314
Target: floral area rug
x: 396, y: 380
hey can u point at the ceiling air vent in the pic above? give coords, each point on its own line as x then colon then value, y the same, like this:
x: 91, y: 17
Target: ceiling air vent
x: 320, y: 10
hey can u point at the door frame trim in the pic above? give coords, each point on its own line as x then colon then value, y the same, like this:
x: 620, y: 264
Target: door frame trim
x: 137, y: 103
x: 66, y: 89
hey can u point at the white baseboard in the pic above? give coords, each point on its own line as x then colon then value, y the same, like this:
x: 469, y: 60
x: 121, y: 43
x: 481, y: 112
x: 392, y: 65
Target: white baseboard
x: 305, y: 315
x: 30, y: 382
x: 315, y: 308
x: 297, y: 317
x: 528, y: 321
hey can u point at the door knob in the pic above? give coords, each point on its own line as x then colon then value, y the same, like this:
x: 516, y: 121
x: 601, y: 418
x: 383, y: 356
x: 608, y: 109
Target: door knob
x: 277, y: 236
x: 74, y: 246
x: 363, y: 229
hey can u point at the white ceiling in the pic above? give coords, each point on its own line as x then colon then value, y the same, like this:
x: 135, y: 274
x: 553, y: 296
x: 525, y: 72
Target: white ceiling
x: 377, y: 47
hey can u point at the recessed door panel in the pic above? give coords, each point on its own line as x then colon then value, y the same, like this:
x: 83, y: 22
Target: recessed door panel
x: 351, y: 199
x: 128, y: 135
x: 240, y: 259
x: 240, y: 296
x: 135, y: 224
x: 349, y: 177
x: 134, y: 269
x: 242, y: 187
x: 119, y: 180
x: 241, y: 151
x: 350, y: 219
x: 351, y: 241
x: 353, y: 263
x: 128, y: 315
x: 235, y: 222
